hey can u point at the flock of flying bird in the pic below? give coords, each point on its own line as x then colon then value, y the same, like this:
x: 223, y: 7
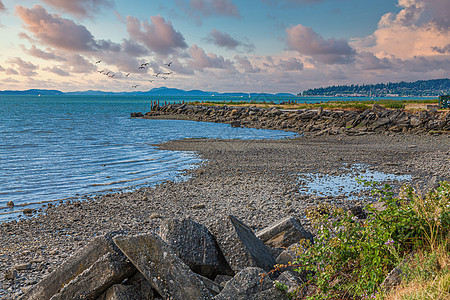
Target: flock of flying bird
x: 164, y: 75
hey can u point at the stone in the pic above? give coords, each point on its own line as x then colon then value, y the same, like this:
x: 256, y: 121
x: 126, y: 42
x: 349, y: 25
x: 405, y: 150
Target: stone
x: 10, y: 204
x: 358, y: 212
x: 28, y: 211
x: 167, y: 273
x: 284, y: 233
x: 250, y: 285
x: 222, y: 279
x: 240, y: 246
x: 235, y: 123
x: 392, y: 279
x: 378, y: 108
x: 119, y: 292
x: 75, y: 265
x: 10, y: 274
x: 109, y: 269
x: 212, y: 286
x: 290, y: 279
x: 22, y: 267
x: 195, y: 246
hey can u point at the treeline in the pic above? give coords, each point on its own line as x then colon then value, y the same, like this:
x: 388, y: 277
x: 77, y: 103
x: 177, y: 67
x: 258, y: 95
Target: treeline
x: 434, y: 87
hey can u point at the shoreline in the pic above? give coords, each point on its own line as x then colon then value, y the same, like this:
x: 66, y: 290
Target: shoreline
x: 256, y: 180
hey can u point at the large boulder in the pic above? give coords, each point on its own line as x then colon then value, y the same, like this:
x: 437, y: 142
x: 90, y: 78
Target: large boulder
x: 196, y: 246
x: 167, y: 273
x: 74, y: 266
x: 109, y: 269
x: 284, y: 233
x: 250, y: 284
x: 134, y: 288
x: 240, y: 246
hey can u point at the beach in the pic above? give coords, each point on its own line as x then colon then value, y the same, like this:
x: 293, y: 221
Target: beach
x: 255, y: 180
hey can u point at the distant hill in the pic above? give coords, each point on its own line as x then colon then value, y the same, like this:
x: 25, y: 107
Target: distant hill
x: 434, y: 87
x: 32, y: 92
x: 161, y: 91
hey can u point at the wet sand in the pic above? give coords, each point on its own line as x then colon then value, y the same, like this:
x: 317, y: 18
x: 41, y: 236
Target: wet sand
x: 257, y: 181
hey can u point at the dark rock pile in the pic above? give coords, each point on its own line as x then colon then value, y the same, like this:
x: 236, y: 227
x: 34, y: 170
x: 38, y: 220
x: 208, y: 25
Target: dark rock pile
x: 185, y: 261
x: 316, y: 121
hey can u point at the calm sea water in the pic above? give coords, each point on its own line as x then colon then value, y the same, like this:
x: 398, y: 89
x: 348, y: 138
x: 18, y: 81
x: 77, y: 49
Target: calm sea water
x: 54, y: 147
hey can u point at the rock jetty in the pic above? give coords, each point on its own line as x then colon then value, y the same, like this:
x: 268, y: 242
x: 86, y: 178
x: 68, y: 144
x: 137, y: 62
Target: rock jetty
x: 315, y: 121
x: 186, y: 261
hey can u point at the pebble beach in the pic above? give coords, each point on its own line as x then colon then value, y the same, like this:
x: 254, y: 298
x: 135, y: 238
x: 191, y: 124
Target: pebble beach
x: 257, y: 181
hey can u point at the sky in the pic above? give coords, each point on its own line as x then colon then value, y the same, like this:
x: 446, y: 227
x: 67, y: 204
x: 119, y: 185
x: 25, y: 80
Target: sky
x: 255, y: 46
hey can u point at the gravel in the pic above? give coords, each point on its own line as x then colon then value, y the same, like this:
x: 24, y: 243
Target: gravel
x: 256, y: 181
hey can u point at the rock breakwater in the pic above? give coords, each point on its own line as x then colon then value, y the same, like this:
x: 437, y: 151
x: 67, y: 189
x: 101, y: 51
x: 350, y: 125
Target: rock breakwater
x: 315, y: 121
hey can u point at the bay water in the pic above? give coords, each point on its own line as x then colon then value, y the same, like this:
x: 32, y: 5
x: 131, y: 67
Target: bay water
x: 58, y: 147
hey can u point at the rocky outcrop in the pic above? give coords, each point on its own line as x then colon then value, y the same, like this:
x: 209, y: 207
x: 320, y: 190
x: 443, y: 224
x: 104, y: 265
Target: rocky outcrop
x: 146, y: 266
x: 314, y: 121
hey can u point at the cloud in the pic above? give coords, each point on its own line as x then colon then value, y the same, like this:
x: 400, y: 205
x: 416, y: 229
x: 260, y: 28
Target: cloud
x: 57, y: 71
x: 201, y: 60
x: 420, y: 28
x: 2, y: 6
x: 442, y: 50
x: 25, y: 68
x: 56, y: 31
x: 159, y: 36
x: 368, y: 61
x: 50, y: 55
x: 80, y: 8
x: 78, y: 64
x: 246, y: 64
x: 215, y: 8
x: 224, y: 40
x: 11, y: 71
x: 305, y: 41
x: 291, y: 64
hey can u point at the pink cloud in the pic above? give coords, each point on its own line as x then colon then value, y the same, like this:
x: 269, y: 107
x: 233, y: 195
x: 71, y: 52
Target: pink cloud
x: 305, y: 41
x: 49, y: 55
x: 224, y: 40
x: 2, y: 6
x: 201, y: 60
x: 159, y: 36
x: 11, y: 71
x: 25, y: 68
x: 57, y: 71
x: 80, y: 8
x: 56, y: 31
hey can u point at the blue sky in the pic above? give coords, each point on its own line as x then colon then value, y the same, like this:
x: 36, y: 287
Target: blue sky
x: 220, y: 45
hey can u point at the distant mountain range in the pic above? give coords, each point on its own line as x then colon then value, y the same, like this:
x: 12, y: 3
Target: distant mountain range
x: 161, y: 91
x: 433, y: 87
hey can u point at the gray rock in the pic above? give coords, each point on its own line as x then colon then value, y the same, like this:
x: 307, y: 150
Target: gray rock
x: 74, y: 266
x: 120, y: 292
x: 291, y: 280
x: 195, y: 245
x: 212, y: 286
x: 109, y: 269
x: 10, y: 274
x: 248, y: 285
x: 167, y: 273
x: 284, y: 233
x: 240, y: 246
x: 235, y: 123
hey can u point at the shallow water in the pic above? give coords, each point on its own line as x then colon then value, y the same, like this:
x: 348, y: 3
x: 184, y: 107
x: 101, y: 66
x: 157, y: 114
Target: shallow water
x: 60, y: 146
x: 346, y: 184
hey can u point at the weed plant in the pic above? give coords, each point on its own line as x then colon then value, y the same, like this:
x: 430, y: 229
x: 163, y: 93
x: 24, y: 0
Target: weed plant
x: 350, y: 258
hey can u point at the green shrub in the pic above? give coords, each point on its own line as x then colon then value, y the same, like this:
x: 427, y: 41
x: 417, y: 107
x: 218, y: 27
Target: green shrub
x: 350, y: 257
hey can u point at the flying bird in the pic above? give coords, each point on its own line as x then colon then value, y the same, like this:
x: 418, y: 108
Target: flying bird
x: 150, y: 80
x: 107, y: 73
x: 169, y: 64
x: 126, y: 75
x: 111, y: 76
x: 145, y: 64
x: 165, y: 77
x: 168, y: 73
x: 141, y: 67
x: 157, y: 74
x: 99, y: 61
x: 135, y: 86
